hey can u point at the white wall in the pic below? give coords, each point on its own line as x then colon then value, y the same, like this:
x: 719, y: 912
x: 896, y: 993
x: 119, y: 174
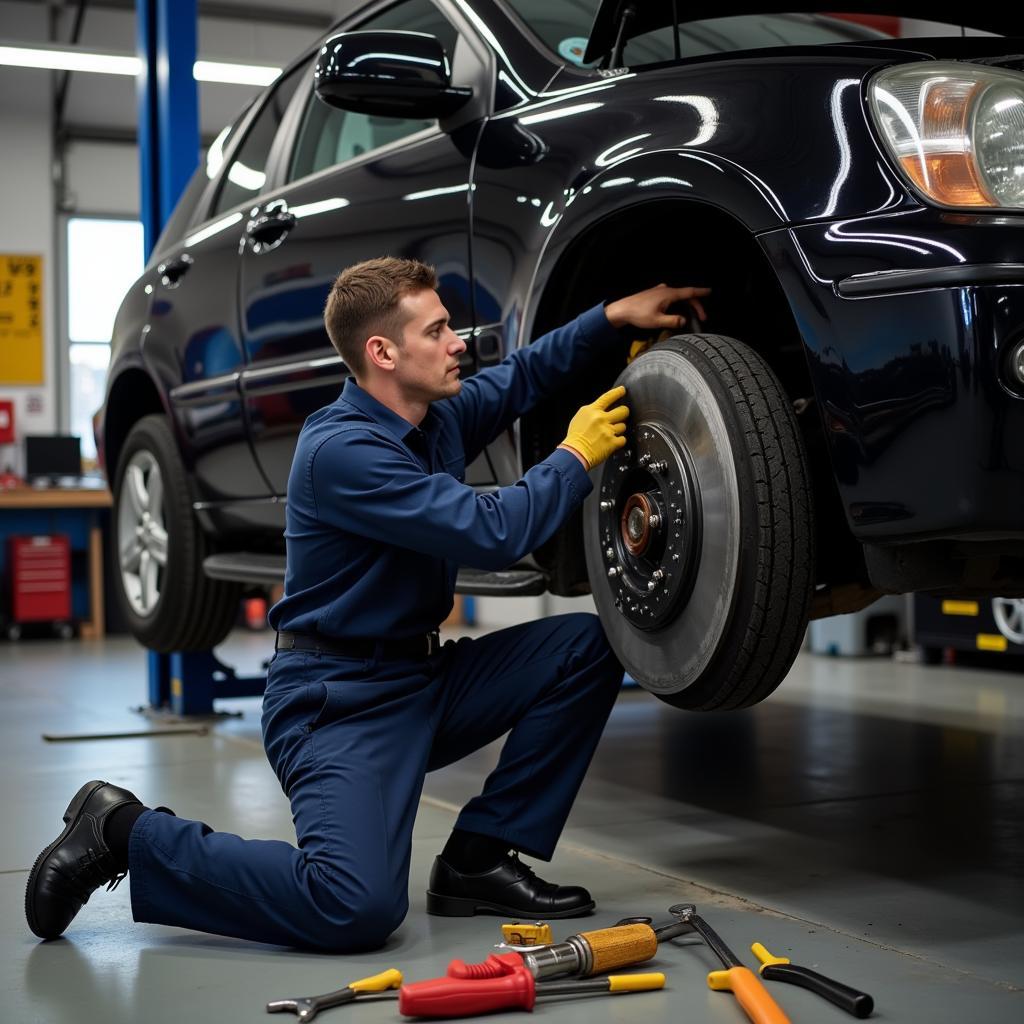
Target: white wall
x: 27, y: 226
x: 102, y: 177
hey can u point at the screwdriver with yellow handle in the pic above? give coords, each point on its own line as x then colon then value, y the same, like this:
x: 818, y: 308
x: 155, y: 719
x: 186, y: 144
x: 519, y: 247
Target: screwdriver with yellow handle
x: 307, y: 1007
x: 778, y: 968
x: 742, y: 982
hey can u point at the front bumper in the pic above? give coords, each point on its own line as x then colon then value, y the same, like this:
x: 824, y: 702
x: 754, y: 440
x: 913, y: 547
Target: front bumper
x: 907, y: 323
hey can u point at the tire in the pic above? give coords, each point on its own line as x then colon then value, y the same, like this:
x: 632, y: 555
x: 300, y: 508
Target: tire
x: 712, y: 493
x: 166, y: 598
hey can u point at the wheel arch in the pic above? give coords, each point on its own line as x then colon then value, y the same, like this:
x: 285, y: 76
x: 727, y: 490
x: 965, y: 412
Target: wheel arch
x: 132, y: 395
x: 680, y: 240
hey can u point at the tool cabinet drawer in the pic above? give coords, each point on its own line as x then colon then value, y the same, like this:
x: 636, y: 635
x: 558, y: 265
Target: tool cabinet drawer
x: 39, y: 573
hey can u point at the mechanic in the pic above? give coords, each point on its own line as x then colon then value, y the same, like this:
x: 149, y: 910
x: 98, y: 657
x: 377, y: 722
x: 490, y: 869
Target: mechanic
x: 361, y: 699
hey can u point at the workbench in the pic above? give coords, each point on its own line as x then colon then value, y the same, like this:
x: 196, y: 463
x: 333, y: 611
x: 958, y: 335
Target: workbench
x: 74, y: 511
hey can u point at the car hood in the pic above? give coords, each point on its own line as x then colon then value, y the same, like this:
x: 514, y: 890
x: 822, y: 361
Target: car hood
x: 1002, y: 19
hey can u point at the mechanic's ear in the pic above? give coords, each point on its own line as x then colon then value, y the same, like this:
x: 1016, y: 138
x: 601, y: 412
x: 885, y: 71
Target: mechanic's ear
x: 380, y: 353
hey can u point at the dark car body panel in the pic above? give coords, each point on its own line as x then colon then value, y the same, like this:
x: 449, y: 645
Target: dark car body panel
x: 907, y: 374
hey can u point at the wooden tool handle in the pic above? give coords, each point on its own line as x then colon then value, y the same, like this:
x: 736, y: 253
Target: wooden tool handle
x: 621, y: 946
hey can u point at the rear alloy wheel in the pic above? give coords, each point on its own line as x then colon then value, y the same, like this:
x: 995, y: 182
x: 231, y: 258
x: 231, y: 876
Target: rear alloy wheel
x: 167, y: 599
x: 699, y: 535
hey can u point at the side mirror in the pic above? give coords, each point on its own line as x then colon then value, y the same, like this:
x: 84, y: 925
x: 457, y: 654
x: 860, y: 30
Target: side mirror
x: 394, y: 74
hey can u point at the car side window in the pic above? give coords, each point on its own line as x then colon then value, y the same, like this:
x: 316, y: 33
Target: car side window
x: 247, y: 174
x: 329, y: 136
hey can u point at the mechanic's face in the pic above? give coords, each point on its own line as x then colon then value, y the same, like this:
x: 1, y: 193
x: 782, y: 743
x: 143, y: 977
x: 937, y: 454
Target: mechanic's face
x: 427, y: 363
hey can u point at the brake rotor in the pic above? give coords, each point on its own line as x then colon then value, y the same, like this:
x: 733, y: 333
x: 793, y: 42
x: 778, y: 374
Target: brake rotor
x: 649, y: 516
x: 662, y: 527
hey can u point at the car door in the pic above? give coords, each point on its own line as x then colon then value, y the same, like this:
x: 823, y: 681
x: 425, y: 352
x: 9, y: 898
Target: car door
x: 194, y: 341
x: 353, y: 186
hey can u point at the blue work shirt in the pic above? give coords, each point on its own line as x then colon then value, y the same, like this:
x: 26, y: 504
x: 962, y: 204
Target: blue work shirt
x: 379, y: 518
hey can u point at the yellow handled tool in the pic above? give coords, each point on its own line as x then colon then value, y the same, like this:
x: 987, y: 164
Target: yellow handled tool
x: 307, y: 1007
x: 778, y: 968
x: 746, y: 986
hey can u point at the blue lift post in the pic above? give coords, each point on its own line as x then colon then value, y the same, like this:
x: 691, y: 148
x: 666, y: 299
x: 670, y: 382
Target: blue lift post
x: 168, y: 106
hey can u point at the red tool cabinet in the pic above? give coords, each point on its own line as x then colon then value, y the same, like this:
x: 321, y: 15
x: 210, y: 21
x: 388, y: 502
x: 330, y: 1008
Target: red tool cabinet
x: 39, y: 569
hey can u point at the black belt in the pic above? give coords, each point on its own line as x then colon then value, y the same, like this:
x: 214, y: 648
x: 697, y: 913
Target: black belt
x: 421, y: 646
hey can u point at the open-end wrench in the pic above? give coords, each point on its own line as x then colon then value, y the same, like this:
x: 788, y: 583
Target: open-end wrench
x: 307, y: 1007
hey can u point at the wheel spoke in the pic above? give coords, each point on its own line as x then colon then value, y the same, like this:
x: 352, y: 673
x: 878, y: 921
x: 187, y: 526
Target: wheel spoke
x: 134, y: 487
x: 158, y: 545
x: 156, y: 494
x: 148, y: 570
x: 1016, y: 617
x: 131, y: 553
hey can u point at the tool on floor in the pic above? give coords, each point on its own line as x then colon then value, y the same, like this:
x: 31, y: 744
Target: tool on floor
x: 737, y: 979
x: 521, y: 935
x: 779, y: 968
x: 307, y: 1007
x: 514, y: 989
x: 583, y: 954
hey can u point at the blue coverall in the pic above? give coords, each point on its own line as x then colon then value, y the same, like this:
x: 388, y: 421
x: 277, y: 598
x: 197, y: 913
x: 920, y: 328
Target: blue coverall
x: 378, y: 521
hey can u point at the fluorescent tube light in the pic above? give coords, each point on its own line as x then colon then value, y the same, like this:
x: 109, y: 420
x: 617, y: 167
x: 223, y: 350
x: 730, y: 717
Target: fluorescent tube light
x: 69, y: 60
x: 56, y: 58
x: 234, y: 74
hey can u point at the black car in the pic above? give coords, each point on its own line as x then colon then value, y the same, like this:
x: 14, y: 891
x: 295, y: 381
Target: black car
x: 853, y: 196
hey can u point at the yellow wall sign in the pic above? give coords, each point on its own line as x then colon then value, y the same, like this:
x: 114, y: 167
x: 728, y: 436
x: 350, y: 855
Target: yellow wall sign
x: 21, y: 319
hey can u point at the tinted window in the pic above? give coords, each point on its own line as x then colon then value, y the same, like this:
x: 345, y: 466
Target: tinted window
x: 331, y: 136
x: 247, y: 174
x: 565, y: 26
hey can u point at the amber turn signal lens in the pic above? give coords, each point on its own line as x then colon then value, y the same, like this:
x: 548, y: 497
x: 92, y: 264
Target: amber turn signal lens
x: 949, y: 178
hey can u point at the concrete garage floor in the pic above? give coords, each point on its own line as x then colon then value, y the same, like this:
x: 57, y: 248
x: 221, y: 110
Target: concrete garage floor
x: 865, y: 821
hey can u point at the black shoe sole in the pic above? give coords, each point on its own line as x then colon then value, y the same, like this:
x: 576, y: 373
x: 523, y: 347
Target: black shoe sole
x: 71, y: 816
x: 461, y: 906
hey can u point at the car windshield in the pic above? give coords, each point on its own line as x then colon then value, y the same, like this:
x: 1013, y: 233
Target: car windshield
x: 564, y: 27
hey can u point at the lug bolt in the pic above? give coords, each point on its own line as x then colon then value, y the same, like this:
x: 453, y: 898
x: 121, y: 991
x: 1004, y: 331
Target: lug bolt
x: 615, y: 570
x: 644, y: 459
x: 656, y: 577
x: 654, y: 520
x: 675, y: 558
x: 609, y: 552
x: 607, y: 506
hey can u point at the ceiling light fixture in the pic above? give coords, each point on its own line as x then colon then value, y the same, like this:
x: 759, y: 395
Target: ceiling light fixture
x: 56, y: 58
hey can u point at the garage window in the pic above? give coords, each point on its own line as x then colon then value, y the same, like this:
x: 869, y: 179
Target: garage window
x: 95, y: 288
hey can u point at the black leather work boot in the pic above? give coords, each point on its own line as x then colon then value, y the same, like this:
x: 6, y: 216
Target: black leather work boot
x: 511, y: 888
x: 77, y: 862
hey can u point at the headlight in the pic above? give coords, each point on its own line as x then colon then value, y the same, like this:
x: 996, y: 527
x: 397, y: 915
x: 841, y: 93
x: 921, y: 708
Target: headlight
x: 955, y: 130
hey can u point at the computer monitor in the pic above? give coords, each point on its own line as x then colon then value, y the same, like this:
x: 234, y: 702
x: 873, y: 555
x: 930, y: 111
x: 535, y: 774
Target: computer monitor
x: 53, y: 457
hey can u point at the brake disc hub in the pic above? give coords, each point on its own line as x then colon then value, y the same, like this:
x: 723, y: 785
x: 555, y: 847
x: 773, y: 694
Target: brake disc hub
x: 649, y: 521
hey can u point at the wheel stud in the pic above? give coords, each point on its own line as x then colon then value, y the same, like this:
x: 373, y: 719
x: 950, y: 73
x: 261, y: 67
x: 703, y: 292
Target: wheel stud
x: 607, y: 506
x: 654, y: 519
x: 609, y: 553
x: 615, y: 570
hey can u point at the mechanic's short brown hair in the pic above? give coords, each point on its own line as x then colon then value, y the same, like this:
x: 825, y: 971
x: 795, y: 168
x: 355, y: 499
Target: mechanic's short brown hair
x: 364, y: 301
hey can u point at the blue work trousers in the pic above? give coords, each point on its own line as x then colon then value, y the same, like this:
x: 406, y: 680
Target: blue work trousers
x: 351, y: 741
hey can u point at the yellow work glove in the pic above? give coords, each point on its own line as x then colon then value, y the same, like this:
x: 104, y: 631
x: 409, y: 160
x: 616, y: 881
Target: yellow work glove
x: 596, y: 431
x: 641, y: 345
